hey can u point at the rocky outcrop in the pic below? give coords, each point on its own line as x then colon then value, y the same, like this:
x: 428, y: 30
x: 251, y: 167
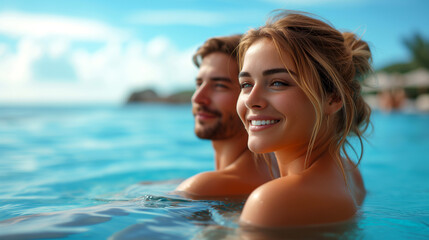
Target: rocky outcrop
x: 149, y: 95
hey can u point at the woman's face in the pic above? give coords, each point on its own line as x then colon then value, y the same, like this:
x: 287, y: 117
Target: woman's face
x: 275, y: 111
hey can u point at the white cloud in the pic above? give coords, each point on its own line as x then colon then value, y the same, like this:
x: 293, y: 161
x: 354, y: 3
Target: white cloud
x: 15, y: 68
x: 136, y: 64
x: 59, y: 93
x: 194, y: 17
x: 17, y: 24
x: 107, y: 73
x: 58, y: 47
x: 294, y: 3
x: 178, y: 17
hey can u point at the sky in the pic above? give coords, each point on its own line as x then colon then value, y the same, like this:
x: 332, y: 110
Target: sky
x: 97, y: 52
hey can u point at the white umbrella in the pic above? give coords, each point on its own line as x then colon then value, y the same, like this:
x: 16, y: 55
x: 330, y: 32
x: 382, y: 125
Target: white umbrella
x: 383, y: 81
x: 417, y: 78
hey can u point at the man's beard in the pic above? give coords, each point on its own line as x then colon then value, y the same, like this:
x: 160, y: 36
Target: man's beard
x: 218, y: 130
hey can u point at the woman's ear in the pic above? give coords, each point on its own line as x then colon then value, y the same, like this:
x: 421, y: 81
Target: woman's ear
x: 333, y: 105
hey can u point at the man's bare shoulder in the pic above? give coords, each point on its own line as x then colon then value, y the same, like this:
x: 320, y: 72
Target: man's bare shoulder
x: 296, y: 201
x: 215, y: 184
x: 199, y: 182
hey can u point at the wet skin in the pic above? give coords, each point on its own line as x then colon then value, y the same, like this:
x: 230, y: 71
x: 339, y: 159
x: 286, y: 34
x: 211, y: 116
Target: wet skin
x: 279, y: 117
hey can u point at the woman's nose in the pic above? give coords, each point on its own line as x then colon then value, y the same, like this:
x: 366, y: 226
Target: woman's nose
x: 256, y: 98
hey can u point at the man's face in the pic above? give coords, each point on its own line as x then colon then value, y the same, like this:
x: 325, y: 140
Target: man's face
x: 215, y: 97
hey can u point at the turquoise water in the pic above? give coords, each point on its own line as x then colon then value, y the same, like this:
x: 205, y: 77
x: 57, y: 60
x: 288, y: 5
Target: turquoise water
x: 108, y: 172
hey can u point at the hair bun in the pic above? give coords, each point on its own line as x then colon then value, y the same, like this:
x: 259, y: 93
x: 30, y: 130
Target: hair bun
x: 360, y: 54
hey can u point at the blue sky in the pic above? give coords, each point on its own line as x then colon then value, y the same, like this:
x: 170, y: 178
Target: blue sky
x: 66, y: 52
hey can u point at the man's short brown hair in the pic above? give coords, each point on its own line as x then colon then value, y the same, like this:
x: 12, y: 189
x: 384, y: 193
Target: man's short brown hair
x: 227, y: 45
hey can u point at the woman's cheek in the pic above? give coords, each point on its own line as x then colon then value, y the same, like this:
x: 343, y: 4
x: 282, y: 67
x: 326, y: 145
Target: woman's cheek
x: 241, y: 109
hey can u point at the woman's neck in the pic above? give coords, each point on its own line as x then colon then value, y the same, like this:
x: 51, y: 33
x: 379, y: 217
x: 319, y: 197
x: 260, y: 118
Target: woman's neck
x: 294, y: 161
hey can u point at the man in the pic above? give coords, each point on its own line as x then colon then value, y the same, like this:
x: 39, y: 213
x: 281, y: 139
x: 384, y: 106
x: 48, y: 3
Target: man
x: 237, y: 172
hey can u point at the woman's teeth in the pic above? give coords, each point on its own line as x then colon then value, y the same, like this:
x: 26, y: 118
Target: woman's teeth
x: 263, y: 122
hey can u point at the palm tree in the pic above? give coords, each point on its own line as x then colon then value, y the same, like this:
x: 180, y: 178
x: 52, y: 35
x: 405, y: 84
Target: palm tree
x: 419, y: 51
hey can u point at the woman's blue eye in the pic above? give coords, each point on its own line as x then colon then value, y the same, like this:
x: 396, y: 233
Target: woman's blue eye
x: 245, y: 85
x: 279, y: 84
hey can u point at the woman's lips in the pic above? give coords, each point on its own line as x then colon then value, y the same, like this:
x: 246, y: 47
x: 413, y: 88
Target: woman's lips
x: 261, y: 124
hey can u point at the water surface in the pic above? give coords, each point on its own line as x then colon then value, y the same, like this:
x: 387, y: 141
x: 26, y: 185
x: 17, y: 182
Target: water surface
x: 109, y: 171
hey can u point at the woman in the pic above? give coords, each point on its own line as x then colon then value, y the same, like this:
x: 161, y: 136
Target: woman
x: 301, y: 99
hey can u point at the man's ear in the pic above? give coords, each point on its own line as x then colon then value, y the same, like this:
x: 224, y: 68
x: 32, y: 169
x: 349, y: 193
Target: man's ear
x: 334, y: 104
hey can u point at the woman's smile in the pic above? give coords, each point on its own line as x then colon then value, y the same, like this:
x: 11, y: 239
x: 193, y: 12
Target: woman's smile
x: 259, y: 123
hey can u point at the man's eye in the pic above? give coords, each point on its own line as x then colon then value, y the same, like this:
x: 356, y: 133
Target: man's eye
x: 221, y: 85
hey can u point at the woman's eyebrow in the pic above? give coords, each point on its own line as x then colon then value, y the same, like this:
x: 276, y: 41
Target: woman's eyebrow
x: 269, y: 72
x: 277, y: 70
x: 244, y: 74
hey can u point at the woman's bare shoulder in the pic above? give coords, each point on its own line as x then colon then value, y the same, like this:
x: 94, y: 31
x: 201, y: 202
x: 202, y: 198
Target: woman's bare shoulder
x: 296, y: 201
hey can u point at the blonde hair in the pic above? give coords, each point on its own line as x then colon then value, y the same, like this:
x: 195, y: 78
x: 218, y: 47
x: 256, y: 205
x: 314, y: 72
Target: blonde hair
x: 329, y: 65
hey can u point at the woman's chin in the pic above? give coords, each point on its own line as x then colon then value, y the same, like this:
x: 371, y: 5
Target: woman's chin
x: 258, y: 147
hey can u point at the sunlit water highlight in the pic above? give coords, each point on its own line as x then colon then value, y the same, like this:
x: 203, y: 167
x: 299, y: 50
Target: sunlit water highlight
x: 110, y: 172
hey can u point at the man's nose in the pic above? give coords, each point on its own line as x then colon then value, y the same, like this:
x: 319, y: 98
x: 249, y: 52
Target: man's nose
x: 201, y: 95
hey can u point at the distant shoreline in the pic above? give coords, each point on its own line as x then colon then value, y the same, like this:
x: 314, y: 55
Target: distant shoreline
x: 151, y: 96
